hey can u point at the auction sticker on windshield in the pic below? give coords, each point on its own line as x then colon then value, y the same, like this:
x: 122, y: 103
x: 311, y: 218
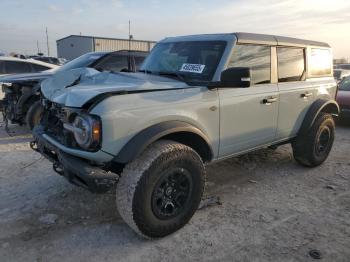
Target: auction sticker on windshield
x: 192, y: 68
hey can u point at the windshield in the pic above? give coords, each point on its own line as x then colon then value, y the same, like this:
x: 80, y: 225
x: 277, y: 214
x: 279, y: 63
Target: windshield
x: 345, y: 84
x: 81, y: 61
x: 191, y: 60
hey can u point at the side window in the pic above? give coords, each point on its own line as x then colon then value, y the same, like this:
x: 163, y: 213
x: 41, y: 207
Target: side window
x: 291, y: 64
x: 113, y: 63
x: 14, y: 67
x: 257, y: 57
x: 320, y: 62
x: 2, y: 68
x: 39, y: 68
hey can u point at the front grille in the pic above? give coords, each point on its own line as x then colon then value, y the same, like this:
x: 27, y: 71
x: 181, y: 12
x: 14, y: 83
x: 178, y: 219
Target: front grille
x: 53, y: 119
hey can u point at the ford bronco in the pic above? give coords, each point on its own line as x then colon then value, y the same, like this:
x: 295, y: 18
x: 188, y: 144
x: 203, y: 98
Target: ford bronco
x: 196, y: 100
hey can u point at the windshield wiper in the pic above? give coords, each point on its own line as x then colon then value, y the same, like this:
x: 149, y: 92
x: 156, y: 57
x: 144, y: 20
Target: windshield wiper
x: 173, y: 74
x: 183, y: 78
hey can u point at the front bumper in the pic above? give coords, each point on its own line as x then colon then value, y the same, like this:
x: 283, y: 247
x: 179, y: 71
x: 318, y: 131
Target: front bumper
x: 77, y: 170
x: 345, y: 113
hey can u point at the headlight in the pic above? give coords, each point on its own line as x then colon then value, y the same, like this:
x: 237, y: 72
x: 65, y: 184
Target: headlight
x: 5, y: 87
x: 86, y: 130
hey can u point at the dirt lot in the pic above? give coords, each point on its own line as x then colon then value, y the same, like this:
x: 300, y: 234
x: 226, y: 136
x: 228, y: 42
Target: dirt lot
x: 272, y: 210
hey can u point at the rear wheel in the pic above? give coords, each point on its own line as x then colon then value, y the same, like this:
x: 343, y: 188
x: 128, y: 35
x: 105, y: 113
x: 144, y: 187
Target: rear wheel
x: 313, y: 148
x: 34, y: 115
x: 159, y: 192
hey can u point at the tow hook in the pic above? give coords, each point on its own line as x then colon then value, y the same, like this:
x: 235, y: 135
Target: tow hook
x: 33, y: 145
x: 58, y: 168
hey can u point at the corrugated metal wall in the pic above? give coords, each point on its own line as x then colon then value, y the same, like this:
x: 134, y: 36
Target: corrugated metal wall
x: 74, y: 46
x: 102, y: 44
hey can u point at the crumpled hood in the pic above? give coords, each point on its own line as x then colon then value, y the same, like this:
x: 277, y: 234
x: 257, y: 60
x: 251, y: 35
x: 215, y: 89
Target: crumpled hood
x: 25, y: 77
x: 76, y: 87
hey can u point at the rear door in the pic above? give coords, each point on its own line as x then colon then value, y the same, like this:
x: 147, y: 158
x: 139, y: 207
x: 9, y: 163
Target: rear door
x: 248, y: 116
x: 296, y: 94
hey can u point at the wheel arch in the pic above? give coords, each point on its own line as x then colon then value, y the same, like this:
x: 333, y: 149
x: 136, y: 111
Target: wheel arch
x: 27, y: 98
x: 178, y: 131
x: 319, y: 106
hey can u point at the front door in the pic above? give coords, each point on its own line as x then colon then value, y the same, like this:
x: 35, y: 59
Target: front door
x: 248, y: 116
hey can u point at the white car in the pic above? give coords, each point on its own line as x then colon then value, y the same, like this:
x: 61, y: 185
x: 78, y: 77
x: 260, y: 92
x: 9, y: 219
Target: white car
x: 13, y: 65
x: 340, y: 74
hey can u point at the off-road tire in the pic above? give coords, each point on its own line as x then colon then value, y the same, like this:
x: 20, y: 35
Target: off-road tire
x: 139, y: 179
x: 305, y: 146
x: 34, y: 114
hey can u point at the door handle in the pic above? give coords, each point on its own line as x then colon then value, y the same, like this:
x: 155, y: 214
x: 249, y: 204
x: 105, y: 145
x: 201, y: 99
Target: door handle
x: 270, y: 100
x: 305, y: 95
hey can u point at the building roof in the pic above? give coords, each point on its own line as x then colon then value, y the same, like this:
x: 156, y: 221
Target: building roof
x: 108, y: 38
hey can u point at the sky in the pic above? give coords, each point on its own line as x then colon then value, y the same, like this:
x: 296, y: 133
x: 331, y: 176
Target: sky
x: 23, y: 22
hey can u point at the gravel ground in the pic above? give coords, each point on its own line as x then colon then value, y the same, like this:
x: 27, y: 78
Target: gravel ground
x: 271, y: 210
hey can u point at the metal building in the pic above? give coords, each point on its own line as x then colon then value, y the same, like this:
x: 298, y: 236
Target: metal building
x: 73, y: 46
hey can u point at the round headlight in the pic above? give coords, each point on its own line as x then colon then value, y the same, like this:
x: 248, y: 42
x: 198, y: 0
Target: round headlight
x: 82, y: 131
x: 86, y: 131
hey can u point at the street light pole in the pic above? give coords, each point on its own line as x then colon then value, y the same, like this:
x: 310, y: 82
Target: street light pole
x: 47, y: 43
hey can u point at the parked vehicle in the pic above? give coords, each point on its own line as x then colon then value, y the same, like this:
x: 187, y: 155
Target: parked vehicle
x: 342, y: 66
x: 48, y: 59
x: 13, y: 65
x: 196, y: 100
x: 340, y: 74
x: 343, y: 98
x: 62, y: 60
x: 22, y: 92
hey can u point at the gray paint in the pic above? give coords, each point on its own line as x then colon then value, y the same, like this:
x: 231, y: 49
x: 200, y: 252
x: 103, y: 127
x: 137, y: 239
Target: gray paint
x: 276, y: 40
x: 240, y: 124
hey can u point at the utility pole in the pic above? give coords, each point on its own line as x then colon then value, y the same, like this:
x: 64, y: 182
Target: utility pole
x: 130, y: 36
x: 129, y: 56
x: 37, y: 45
x: 47, y: 43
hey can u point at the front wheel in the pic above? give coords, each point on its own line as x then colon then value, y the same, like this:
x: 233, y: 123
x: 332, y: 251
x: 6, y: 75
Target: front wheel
x: 34, y: 115
x: 159, y: 191
x: 313, y: 148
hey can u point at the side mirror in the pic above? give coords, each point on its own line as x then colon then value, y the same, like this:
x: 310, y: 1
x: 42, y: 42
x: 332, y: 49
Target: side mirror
x: 236, y: 77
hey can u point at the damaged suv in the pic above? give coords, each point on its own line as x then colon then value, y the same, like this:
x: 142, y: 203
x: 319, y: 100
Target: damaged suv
x: 196, y: 100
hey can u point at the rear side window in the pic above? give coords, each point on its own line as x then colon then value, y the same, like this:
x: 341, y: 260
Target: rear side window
x: 39, y: 68
x: 291, y: 64
x: 320, y: 62
x: 14, y: 67
x: 257, y: 57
